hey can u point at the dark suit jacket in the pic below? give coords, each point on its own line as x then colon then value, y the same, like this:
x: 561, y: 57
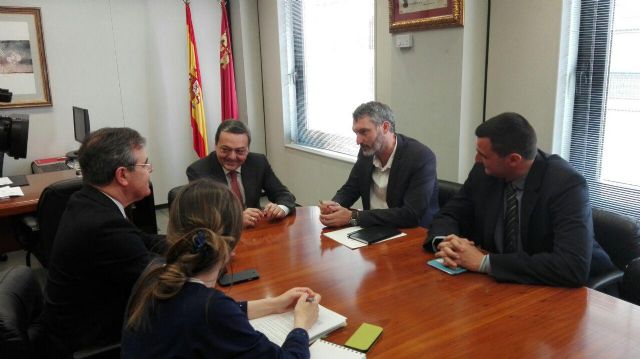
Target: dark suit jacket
x: 556, y: 226
x: 257, y: 175
x: 412, y: 191
x: 96, y: 258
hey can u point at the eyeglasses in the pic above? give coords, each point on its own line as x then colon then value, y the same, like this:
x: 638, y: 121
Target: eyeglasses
x: 146, y: 166
x: 239, y: 151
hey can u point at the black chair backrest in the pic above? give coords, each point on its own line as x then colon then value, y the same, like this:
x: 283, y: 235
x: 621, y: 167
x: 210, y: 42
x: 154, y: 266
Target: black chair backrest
x: 619, y: 236
x: 51, y: 205
x: 21, y: 334
x: 172, y: 194
x: 630, y: 289
x: 143, y: 213
x: 446, y: 190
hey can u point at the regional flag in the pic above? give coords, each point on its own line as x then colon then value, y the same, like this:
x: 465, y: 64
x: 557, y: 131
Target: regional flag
x: 198, y: 122
x: 228, y: 99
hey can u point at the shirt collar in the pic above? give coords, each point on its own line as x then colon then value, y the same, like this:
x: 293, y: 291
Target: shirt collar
x: 518, y: 184
x: 120, y: 206
x: 226, y: 171
x: 378, y: 164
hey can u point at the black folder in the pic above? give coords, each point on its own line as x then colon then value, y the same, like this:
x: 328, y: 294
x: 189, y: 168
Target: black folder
x: 373, y: 234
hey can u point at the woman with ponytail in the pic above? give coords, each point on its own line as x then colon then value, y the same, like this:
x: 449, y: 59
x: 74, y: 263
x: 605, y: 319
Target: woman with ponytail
x: 175, y: 309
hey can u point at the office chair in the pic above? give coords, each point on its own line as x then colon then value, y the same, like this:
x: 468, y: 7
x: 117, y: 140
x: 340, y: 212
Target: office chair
x: 40, y: 230
x: 172, y: 194
x: 446, y: 191
x: 143, y: 213
x: 619, y: 236
x: 22, y: 334
x: 630, y: 288
x: 21, y: 302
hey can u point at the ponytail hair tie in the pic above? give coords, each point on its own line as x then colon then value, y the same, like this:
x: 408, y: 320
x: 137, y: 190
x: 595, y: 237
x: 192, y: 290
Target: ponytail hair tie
x: 199, y: 243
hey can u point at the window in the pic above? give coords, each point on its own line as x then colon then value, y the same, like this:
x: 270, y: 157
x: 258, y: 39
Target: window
x: 330, y: 49
x: 606, y: 115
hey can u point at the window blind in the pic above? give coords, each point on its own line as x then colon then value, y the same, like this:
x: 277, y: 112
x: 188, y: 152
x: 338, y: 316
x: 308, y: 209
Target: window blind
x: 606, y: 110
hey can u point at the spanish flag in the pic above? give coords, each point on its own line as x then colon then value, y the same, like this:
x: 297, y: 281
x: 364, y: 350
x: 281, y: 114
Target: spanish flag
x: 229, y: 100
x: 198, y: 121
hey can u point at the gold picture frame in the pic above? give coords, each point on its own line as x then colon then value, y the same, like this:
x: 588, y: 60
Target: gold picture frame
x: 23, y: 63
x: 411, y: 15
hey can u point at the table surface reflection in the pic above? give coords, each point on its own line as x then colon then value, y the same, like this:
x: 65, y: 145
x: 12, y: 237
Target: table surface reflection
x: 425, y: 312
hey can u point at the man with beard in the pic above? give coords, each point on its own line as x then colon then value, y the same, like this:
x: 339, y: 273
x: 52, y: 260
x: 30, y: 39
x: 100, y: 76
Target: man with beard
x: 394, y: 175
x: 246, y: 173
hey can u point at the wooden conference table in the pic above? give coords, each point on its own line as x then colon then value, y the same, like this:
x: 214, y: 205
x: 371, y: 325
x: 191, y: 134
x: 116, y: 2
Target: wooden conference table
x: 425, y: 312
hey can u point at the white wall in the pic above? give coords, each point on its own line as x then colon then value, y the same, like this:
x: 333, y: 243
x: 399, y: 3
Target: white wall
x: 524, y: 54
x: 125, y: 61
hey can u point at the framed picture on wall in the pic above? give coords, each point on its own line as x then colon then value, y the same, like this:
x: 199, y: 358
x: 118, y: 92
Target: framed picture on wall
x: 412, y: 15
x: 23, y: 63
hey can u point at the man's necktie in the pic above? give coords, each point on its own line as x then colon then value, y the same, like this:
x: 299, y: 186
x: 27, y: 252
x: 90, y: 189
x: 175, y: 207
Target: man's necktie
x: 235, y: 187
x: 511, y: 221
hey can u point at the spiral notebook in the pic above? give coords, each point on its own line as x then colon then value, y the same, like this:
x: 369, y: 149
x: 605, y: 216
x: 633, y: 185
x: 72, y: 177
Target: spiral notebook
x: 277, y: 326
x: 325, y: 350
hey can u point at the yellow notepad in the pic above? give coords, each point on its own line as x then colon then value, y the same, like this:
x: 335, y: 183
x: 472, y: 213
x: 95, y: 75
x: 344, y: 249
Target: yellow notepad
x: 364, y: 337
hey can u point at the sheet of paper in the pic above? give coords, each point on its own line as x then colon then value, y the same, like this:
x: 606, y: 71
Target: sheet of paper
x: 10, y: 192
x: 5, y: 180
x: 341, y: 236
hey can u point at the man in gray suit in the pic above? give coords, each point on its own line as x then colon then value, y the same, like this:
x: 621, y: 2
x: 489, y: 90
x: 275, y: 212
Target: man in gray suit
x: 246, y: 173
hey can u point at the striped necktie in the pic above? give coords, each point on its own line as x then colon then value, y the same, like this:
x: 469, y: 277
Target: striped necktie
x: 511, y: 220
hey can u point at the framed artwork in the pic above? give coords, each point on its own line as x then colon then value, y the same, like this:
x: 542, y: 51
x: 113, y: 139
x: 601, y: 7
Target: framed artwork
x: 411, y: 15
x: 23, y: 63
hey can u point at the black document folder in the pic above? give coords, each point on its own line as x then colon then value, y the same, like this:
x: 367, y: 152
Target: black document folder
x: 373, y: 234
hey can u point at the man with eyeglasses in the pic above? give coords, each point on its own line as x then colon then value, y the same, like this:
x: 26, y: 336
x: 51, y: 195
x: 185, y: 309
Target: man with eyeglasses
x: 246, y: 173
x: 98, y: 253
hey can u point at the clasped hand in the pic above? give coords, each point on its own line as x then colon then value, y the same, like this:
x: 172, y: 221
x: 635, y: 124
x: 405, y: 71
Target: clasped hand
x: 332, y: 214
x: 252, y: 216
x: 457, y: 251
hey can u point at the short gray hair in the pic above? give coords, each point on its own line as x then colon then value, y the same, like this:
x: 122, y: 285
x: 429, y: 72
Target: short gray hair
x: 378, y: 112
x: 106, y: 149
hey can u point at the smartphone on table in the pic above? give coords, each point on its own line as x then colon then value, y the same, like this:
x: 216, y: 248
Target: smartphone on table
x: 238, y: 277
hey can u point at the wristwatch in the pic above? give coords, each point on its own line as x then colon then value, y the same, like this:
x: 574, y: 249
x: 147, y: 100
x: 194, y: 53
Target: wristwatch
x: 354, y: 217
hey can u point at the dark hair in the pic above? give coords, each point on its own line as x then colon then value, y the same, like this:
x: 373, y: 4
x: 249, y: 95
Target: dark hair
x: 509, y: 133
x: 205, y: 222
x: 106, y: 149
x: 378, y: 112
x: 233, y: 126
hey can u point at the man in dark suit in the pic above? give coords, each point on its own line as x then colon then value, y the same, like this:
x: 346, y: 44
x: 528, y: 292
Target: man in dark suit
x: 394, y: 175
x: 521, y: 216
x: 98, y: 254
x: 246, y: 173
